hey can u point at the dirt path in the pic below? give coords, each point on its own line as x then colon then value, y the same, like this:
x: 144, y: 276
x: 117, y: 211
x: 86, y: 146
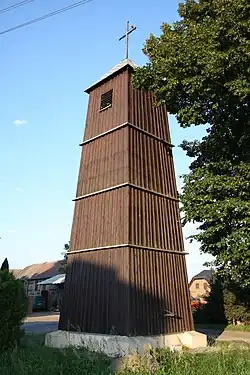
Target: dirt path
x: 42, y: 318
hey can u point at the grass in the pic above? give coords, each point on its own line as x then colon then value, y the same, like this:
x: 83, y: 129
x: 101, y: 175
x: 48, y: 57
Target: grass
x: 242, y: 328
x: 35, y: 359
x: 224, y: 358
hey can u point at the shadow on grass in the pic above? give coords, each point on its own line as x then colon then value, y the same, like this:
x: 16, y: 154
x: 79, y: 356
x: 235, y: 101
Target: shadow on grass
x: 33, y: 340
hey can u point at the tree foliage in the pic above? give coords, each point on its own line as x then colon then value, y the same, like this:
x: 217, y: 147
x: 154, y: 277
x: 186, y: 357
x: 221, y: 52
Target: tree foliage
x: 237, y: 305
x: 200, y: 68
x: 63, y: 267
x: 5, y: 265
x: 13, y: 309
x: 199, y: 65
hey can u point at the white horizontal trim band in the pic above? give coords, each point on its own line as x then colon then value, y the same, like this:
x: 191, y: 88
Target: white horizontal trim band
x: 122, y: 126
x: 100, y: 191
x: 124, y: 185
x: 103, y: 134
x: 126, y: 245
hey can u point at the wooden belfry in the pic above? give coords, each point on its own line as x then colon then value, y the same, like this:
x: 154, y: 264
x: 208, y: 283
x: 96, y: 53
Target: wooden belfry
x: 126, y: 265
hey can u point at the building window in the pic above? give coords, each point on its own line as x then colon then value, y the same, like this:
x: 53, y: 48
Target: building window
x: 205, y: 286
x: 106, y: 100
x: 197, y: 285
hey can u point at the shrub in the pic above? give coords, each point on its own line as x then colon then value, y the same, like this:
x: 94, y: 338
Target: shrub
x: 237, y: 304
x: 13, y: 308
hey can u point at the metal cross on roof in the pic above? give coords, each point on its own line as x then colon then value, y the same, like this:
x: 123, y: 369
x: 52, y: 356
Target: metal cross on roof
x: 129, y: 30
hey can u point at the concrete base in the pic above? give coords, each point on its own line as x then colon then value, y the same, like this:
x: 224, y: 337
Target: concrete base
x: 119, y: 346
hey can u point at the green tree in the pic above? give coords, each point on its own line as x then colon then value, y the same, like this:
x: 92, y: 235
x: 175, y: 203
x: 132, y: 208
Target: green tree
x: 63, y: 267
x: 13, y: 309
x: 5, y: 265
x: 200, y: 68
x: 237, y: 305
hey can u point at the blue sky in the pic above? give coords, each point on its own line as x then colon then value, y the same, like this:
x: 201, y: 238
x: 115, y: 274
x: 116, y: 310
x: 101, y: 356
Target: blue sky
x: 45, y: 68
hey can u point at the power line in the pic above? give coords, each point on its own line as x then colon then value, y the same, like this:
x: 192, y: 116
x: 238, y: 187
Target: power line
x: 41, y: 18
x: 14, y: 6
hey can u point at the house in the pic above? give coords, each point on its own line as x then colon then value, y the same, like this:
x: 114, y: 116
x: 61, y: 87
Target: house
x: 34, y: 274
x: 55, y: 284
x: 200, y: 285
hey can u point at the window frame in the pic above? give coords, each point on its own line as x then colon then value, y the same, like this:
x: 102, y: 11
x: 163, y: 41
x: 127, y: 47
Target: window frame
x: 108, y: 97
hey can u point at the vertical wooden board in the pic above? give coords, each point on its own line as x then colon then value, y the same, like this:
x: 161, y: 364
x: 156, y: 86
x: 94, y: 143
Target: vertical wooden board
x: 152, y: 164
x: 157, y: 291
x: 104, y: 163
x: 151, y: 229
x: 100, y: 293
x: 98, y: 121
x: 147, y: 116
x: 101, y: 220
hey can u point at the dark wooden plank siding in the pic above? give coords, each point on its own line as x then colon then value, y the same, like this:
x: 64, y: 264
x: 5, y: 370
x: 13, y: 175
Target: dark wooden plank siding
x: 101, y: 220
x: 151, y: 164
x: 158, y: 278
x: 98, y: 121
x: 155, y: 221
x: 146, y: 115
x: 113, y: 298
x: 98, y: 295
x: 104, y: 163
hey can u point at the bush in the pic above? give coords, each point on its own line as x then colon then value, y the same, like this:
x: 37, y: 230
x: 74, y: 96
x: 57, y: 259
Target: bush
x: 13, y: 308
x: 237, y: 304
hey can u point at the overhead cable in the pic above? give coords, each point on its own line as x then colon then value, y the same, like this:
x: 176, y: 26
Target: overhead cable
x: 41, y: 18
x: 14, y: 6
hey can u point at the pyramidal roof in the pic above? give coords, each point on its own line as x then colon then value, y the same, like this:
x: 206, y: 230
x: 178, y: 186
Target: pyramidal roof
x: 114, y: 70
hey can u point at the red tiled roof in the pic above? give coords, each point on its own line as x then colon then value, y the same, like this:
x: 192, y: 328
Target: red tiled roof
x: 40, y: 271
x: 16, y: 272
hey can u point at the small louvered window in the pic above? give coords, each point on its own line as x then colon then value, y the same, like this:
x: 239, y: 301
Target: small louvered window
x: 106, y: 100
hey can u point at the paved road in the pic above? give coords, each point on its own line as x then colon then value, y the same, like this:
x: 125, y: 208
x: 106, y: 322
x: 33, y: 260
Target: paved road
x: 40, y: 327
x: 228, y: 335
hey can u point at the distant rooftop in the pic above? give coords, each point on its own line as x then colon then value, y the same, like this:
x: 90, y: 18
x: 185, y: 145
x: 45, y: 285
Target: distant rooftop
x: 55, y: 280
x: 16, y: 272
x: 205, y: 274
x: 39, y: 271
x: 113, y: 71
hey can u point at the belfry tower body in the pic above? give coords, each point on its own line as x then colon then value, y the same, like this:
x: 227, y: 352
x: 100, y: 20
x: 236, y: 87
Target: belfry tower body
x: 126, y: 265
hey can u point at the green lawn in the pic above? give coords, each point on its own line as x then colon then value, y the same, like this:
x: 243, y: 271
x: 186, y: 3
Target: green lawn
x: 35, y: 359
x: 238, y: 328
